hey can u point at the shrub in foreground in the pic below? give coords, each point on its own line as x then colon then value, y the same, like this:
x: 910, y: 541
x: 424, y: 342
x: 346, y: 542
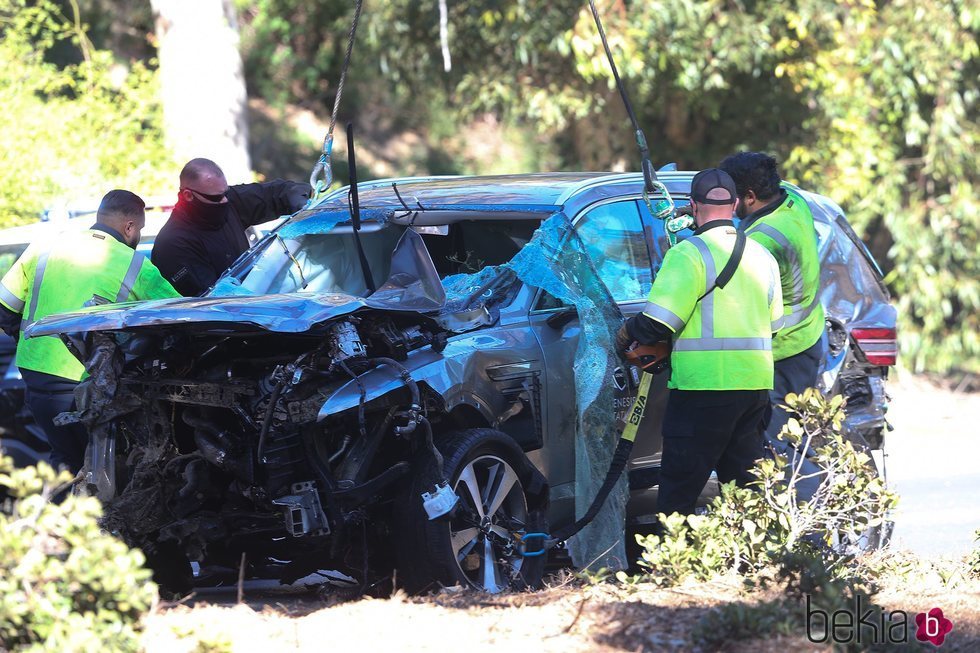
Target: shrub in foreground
x: 801, y: 548
x: 64, y: 584
x: 749, y: 529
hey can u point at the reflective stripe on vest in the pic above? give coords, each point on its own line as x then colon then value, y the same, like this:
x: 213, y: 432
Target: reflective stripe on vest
x: 42, y: 262
x: 12, y: 300
x: 799, y: 314
x: 132, y: 274
x: 664, y: 315
x: 707, y: 341
x: 129, y: 280
x: 723, y: 344
x: 794, y: 259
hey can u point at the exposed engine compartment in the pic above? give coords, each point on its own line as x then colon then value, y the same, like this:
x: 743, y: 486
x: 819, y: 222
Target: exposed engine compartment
x: 216, y: 443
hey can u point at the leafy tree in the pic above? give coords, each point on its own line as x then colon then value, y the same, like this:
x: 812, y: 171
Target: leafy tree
x: 872, y: 103
x: 64, y: 584
x: 74, y: 130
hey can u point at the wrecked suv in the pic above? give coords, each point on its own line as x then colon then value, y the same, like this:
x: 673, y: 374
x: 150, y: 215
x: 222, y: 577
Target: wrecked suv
x: 406, y: 390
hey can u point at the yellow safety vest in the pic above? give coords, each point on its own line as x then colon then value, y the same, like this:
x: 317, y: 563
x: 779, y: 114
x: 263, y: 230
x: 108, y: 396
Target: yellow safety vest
x: 61, y: 277
x: 789, y: 235
x: 722, y: 338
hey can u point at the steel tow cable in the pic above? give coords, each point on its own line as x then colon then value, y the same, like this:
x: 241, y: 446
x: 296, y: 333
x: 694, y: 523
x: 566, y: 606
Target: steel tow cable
x: 322, y: 175
x: 624, y: 446
x: 650, y: 182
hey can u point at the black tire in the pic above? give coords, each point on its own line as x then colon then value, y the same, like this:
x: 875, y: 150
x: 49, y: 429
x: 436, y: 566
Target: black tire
x: 427, y: 556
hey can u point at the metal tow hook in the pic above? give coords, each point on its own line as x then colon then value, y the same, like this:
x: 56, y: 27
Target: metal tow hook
x: 526, y: 538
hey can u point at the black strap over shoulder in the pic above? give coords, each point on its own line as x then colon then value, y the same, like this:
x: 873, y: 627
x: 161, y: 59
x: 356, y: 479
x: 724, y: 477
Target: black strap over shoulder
x: 728, y: 271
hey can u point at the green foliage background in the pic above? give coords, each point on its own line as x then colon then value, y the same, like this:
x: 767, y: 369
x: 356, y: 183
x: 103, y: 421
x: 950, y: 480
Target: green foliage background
x: 76, y: 122
x: 873, y: 103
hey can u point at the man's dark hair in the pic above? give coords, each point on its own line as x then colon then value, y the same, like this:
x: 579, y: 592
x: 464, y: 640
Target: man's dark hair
x: 194, y: 169
x: 753, y: 171
x: 120, y: 203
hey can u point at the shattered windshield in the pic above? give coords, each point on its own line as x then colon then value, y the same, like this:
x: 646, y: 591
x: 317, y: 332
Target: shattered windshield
x: 323, y: 257
x: 327, y: 263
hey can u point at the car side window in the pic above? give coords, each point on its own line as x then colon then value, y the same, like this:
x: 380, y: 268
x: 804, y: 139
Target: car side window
x: 613, y: 236
x: 657, y: 233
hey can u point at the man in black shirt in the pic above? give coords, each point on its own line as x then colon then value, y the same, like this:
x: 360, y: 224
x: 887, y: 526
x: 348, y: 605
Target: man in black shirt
x: 206, y: 231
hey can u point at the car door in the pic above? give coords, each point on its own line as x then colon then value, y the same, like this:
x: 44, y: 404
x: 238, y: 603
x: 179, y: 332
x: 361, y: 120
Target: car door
x: 614, y: 236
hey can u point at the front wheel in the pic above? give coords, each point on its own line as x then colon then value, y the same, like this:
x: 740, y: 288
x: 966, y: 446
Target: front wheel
x: 501, y: 498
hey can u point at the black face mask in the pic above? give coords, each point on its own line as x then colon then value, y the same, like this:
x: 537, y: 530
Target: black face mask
x: 206, y: 215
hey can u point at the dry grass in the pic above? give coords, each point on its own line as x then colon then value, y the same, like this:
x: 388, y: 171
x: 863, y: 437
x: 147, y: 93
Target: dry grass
x: 569, y: 616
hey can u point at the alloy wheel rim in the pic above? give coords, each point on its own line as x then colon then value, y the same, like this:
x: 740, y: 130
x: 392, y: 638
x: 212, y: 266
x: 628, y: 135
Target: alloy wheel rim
x: 482, y: 533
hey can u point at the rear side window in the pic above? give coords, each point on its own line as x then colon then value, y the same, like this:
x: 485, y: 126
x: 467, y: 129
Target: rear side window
x: 613, y: 235
x: 9, y: 254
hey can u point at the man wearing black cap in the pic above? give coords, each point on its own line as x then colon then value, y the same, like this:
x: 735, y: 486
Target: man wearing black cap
x: 717, y: 299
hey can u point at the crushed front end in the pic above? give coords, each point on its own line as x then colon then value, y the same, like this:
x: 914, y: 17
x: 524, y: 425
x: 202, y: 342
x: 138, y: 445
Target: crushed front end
x: 210, y: 444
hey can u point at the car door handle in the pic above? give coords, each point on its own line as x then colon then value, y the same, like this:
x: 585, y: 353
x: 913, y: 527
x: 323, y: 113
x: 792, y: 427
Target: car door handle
x: 561, y: 318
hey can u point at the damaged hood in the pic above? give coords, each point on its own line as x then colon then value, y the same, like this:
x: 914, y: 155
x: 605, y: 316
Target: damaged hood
x: 289, y: 313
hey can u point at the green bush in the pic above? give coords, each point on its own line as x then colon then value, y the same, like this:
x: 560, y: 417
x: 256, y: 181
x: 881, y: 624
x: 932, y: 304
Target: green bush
x: 72, y: 130
x: 749, y: 529
x: 64, y: 584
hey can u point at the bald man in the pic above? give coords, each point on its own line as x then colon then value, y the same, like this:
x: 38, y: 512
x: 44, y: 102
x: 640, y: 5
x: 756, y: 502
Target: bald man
x: 206, y: 231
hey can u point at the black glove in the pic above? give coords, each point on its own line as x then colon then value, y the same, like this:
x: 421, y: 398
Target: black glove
x: 687, y: 209
x: 298, y: 195
x: 623, y: 340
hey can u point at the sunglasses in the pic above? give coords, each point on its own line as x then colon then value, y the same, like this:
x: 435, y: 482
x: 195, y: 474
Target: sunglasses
x: 209, y: 197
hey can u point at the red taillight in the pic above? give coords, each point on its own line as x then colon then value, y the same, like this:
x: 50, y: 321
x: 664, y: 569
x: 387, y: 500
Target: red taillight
x: 880, y: 346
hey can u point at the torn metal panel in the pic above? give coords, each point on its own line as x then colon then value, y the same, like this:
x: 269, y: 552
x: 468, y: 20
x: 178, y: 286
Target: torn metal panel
x: 283, y: 313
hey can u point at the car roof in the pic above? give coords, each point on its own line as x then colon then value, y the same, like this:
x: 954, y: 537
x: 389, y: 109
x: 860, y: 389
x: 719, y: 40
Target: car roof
x: 533, y: 190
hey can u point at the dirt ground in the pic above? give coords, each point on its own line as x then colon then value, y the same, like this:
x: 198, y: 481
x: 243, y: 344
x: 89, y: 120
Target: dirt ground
x: 574, y: 615
x: 567, y: 618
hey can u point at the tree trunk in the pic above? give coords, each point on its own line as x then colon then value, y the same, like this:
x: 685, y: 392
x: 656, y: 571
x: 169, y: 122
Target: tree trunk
x: 202, y: 83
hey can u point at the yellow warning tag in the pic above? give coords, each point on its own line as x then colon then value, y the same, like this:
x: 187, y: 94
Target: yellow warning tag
x: 638, y: 408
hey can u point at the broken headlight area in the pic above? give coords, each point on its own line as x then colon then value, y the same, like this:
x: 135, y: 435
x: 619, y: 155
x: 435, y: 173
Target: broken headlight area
x: 219, y: 442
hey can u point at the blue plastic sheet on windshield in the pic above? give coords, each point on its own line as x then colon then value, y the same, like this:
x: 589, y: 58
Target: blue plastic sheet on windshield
x: 321, y: 223
x: 229, y: 286
x: 556, y: 260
